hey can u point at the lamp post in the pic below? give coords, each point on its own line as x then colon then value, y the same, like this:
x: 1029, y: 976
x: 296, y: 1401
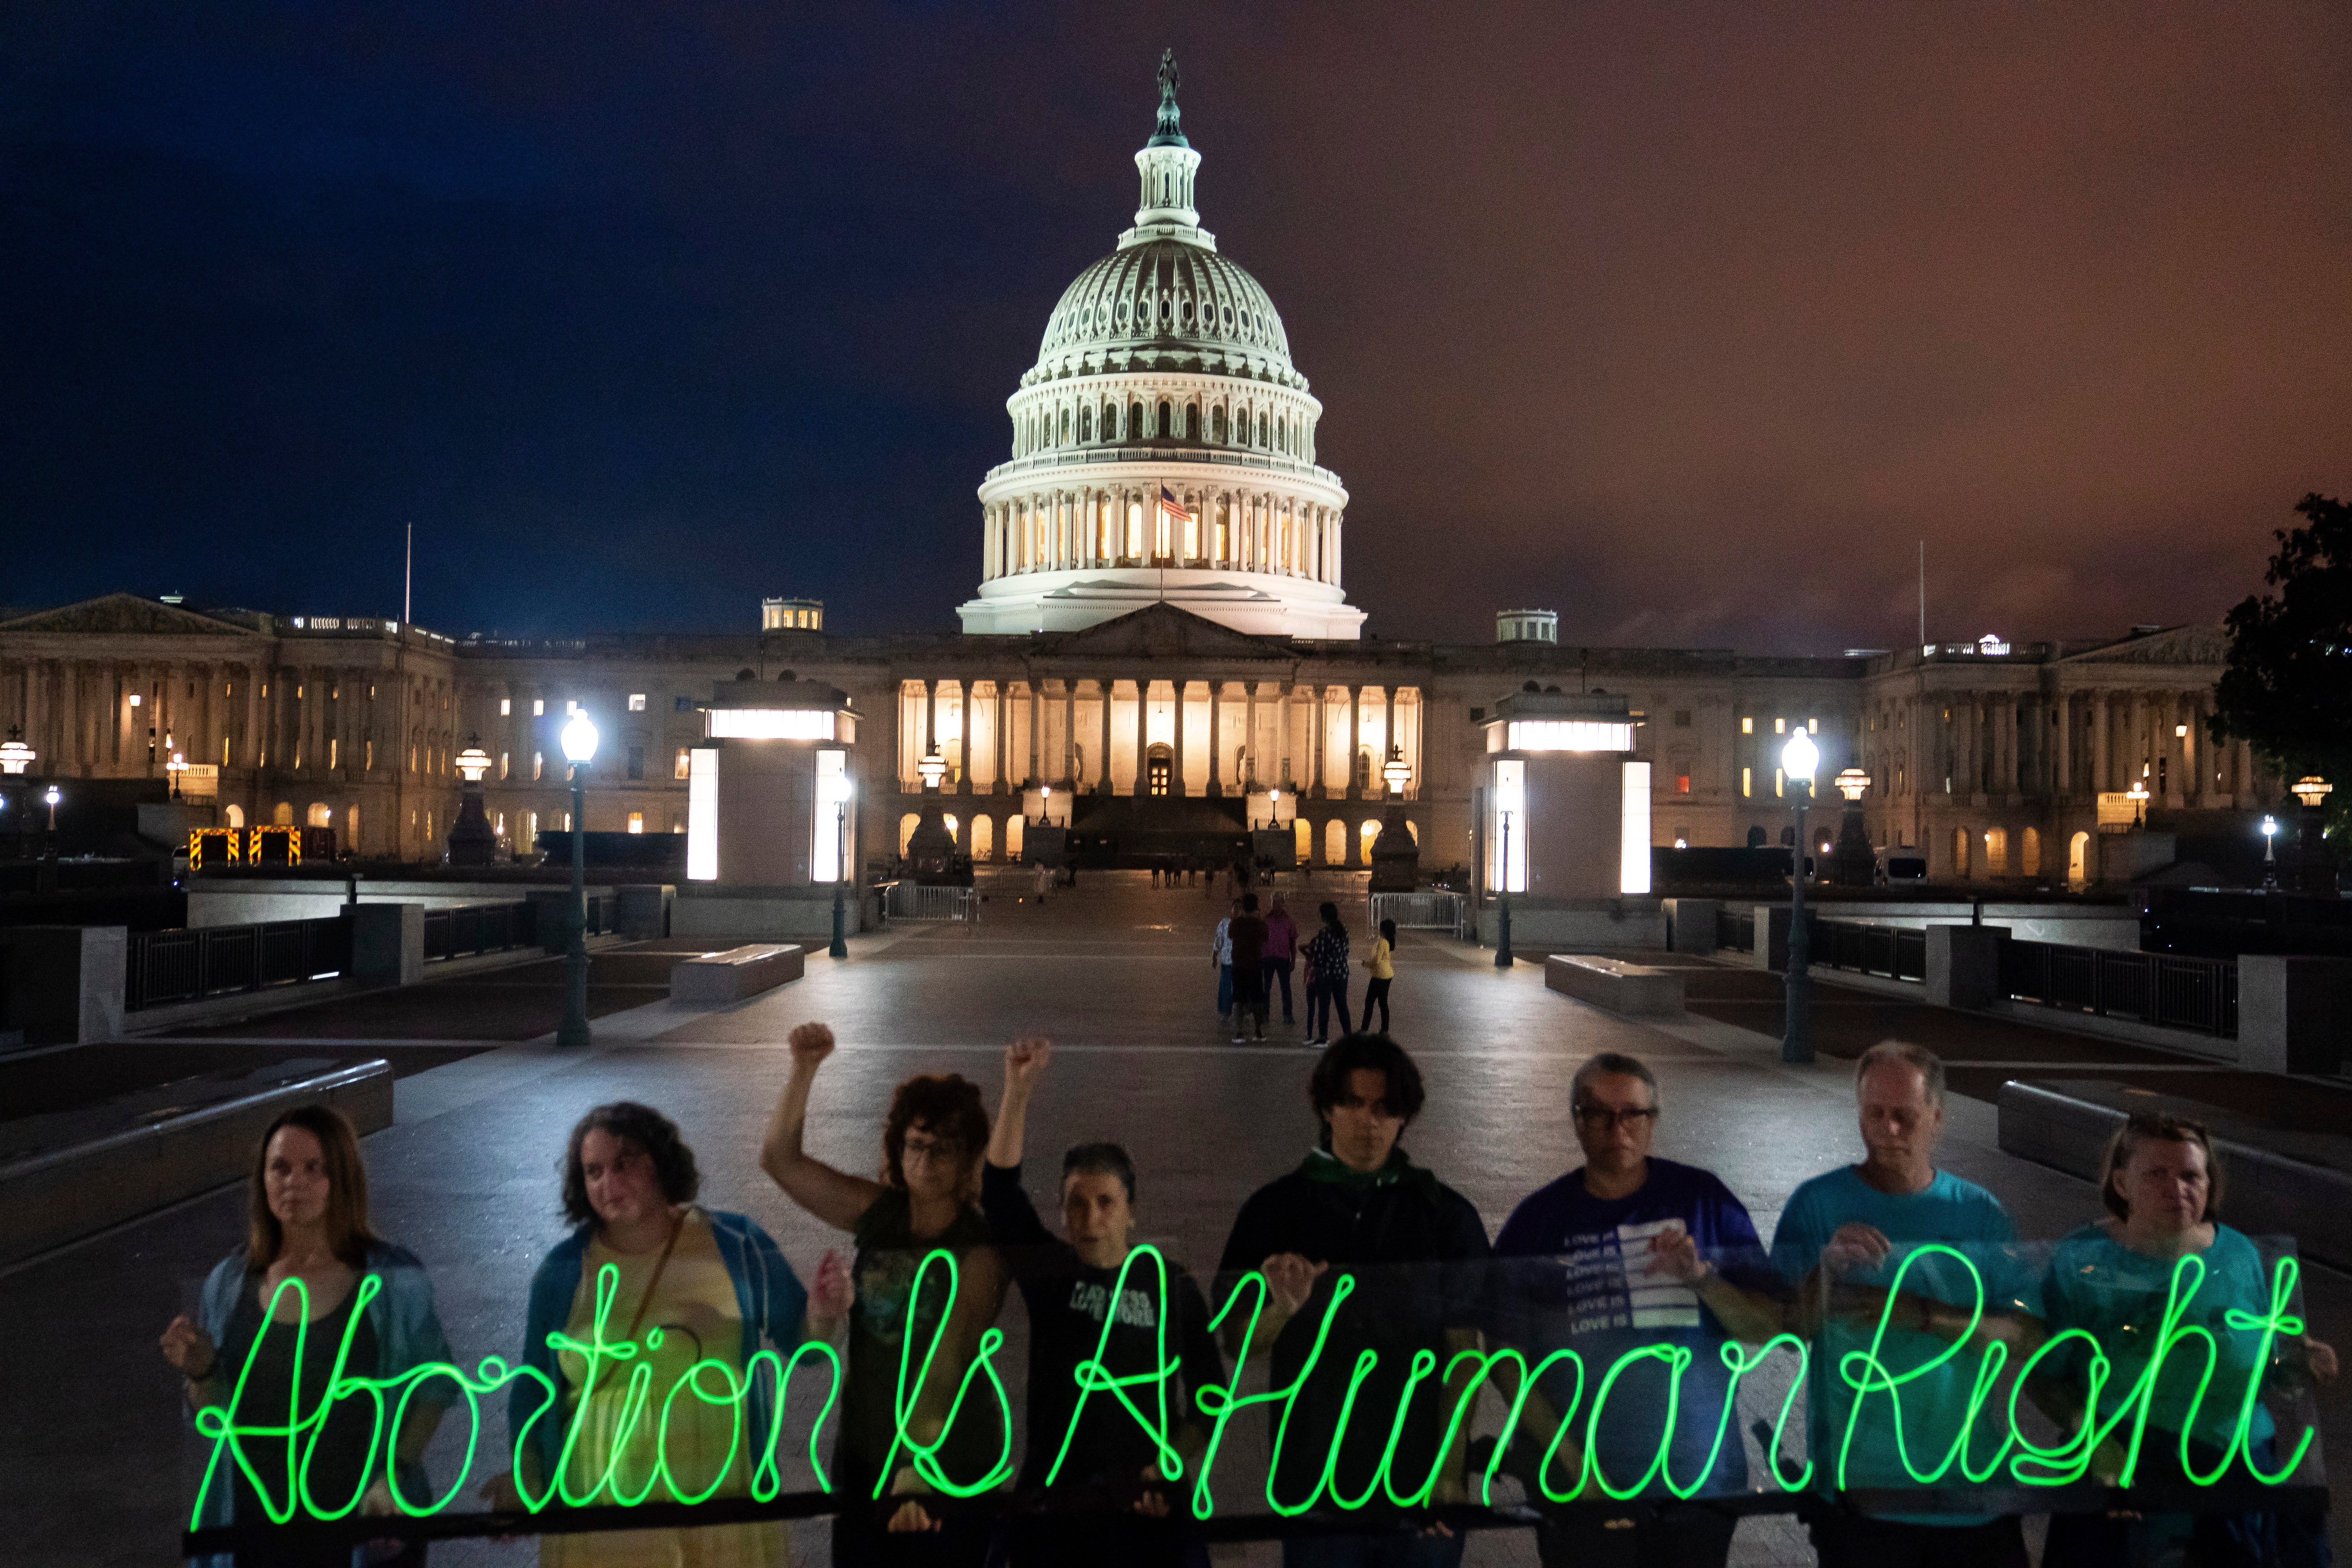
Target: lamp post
x: 2315, y: 868
x: 53, y: 797
x: 1798, y: 760
x: 2269, y: 855
x: 174, y: 764
x: 579, y: 748
x: 1045, y: 804
x: 15, y: 758
x: 2137, y: 795
x: 840, y: 947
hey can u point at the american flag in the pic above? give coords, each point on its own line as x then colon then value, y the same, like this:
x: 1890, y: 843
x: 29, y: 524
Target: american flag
x: 1172, y: 507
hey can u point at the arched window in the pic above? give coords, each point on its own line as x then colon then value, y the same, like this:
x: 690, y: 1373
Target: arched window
x: 1217, y: 426
x: 1086, y: 423
x: 236, y: 815
x: 1335, y: 843
x: 1163, y: 417
x: 1191, y: 422
x: 1066, y: 426
x: 1134, y: 421
x: 1261, y: 426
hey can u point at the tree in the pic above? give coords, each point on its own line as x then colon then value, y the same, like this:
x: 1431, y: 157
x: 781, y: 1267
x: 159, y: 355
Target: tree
x: 2288, y: 690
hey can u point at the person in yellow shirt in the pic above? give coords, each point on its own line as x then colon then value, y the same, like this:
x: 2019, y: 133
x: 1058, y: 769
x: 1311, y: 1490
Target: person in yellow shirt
x: 1383, y: 970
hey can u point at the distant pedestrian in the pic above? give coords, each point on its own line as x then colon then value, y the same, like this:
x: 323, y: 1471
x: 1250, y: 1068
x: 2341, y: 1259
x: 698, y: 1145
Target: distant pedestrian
x: 1220, y: 958
x: 306, y: 1226
x: 1044, y: 880
x: 1326, y: 978
x: 1383, y: 970
x: 1281, y: 953
x: 1247, y: 938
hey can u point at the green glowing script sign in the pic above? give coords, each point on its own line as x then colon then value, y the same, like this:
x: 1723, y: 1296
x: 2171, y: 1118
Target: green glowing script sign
x: 273, y: 1450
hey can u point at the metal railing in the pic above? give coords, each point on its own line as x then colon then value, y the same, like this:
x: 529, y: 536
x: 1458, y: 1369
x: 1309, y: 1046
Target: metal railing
x: 917, y: 901
x: 1424, y: 910
x: 1736, y: 929
x: 2160, y: 988
x: 469, y: 931
x: 1897, y: 953
x: 187, y: 965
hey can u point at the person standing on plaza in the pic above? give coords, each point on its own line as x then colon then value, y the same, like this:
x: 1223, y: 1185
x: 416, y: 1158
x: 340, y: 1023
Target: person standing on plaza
x: 1221, y: 959
x: 305, y: 1224
x: 1281, y: 953
x: 691, y: 1287
x: 1326, y: 977
x: 1245, y: 939
x: 1847, y: 1234
x: 1624, y: 1252
x: 1416, y: 1250
x: 1072, y: 1290
x: 1044, y: 880
x: 1381, y: 961
x: 2162, y: 1188
x: 928, y: 1200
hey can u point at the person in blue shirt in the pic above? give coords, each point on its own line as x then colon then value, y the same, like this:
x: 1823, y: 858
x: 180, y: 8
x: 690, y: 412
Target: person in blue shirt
x: 1629, y: 1251
x: 1842, y: 1241
x: 2162, y: 1189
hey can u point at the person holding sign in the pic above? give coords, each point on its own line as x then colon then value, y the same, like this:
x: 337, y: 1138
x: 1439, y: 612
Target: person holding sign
x: 694, y: 1295
x: 1855, y: 1236
x: 1360, y: 1250
x: 312, y: 1284
x: 1098, y: 1309
x: 1624, y: 1253
x: 2114, y: 1280
x: 906, y: 1308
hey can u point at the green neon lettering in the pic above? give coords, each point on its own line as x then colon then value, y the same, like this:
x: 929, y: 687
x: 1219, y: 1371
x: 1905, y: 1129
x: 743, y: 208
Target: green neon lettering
x: 925, y: 1457
x: 1095, y: 1377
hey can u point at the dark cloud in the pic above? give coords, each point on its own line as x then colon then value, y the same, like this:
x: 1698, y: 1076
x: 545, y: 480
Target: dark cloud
x: 1690, y: 322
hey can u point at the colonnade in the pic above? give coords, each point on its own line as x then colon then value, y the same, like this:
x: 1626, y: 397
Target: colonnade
x: 1007, y: 734
x: 1125, y: 525
x: 2071, y: 745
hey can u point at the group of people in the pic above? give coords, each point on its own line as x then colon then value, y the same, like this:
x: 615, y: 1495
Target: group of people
x: 1254, y: 954
x: 1360, y: 1249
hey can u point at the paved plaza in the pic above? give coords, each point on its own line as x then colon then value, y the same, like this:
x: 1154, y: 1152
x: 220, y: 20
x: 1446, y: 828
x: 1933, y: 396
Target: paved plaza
x: 1117, y: 973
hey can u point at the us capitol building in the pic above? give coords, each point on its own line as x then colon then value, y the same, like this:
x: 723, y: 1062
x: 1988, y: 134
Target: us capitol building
x: 1160, y: 653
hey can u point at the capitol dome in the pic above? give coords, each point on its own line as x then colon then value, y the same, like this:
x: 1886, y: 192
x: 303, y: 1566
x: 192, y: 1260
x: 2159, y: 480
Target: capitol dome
x: 1163, y: 443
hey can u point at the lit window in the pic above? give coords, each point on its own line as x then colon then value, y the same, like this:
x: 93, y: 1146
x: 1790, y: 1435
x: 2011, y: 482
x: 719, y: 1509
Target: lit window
x: 502, y: 764
x: 1779, y: 782
x: 636, y: 701
x: 678, y: 769
x: 1780, y: 726
x: 636, y: 822
x: 1682, y: 784
x: 1748, y: 781
x: 571, y: 705
x: 136, y: 699
x: 1813, y: 726
x: 539, y: 764
x: 1748, y: 726
x: 506, y: 707
x: 538, y: 706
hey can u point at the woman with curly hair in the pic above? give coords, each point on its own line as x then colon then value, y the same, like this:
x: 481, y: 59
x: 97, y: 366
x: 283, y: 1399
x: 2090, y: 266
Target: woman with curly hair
x: 688, y: 1285
x: 927, y: 1199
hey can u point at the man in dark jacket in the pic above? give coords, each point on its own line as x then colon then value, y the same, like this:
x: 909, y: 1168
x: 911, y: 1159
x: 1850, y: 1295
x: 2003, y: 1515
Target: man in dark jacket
x: 1396, y: 1260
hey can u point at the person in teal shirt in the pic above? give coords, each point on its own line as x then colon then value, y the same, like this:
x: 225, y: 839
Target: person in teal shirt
x: 1842, y: 1243
x: 2114, y: 1280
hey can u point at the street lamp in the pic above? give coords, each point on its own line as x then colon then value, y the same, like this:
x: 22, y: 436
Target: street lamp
x: 15, y: 758
x: 841, y: 793
x: 2136, y: 794
x: 1045, y: 804
x: 933, y: 767
x: 175, y: 767
x: 1506, y: 802
x: 580, y: 749
x: 2310, y: 789
x: 1396, y: 772
x: 2270, y: 854
x: 1798, y: 760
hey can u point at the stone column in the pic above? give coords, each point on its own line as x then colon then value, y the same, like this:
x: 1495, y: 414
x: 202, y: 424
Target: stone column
x: 2062, y: 778
x: 1000, y: 709
x: 1314, y: 742
x: 1176, y: 748
x: 1143, y: 734
x: 1244, y: 770
x: 2102, y: 757
x: 2005, y: 751
x: 930, y: 718
x: 1388, y: 735
x: 1067, y: 774
x: 1102, y: 757
x: 1355, y: 736
x: 1036, y: 732
x: 1216, y: 738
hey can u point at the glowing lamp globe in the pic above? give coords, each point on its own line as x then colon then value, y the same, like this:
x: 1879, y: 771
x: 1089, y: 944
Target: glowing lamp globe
x: 1850, y: 783
x: 2310, y: 789
x: 54, y: 796
x: 473, y: 761
x: 1800, y: 757
x: 15, y: 757
x: 1397, y: 771
x: 580, y: 739
x: 2270, y: 826
x: 933, y: 768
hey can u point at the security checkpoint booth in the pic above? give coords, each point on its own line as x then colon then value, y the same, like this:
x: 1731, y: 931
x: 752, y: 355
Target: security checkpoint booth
x: 1563, y: 825
x: 771, y: 814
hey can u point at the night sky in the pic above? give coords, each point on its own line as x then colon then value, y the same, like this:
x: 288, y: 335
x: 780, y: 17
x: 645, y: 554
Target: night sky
x: 1688, y: 320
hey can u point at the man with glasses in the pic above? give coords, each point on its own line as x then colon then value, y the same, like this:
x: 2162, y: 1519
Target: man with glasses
x: 1631, y: 1251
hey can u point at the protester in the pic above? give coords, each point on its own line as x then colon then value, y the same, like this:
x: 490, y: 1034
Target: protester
x: 1376, y: 989
x: 2162, y: 1188
x: 1072, y: 1289
x: 1281, y: 951
x: 1416, y: 1250
x: 1629, y: 1251
x: 1326, y: 978
x: 1841, y: 1239
x: 306, y: 1224
x: 690, y: 1286
x: 1246, y: 941
x: 1220, y: 958
x: 932, y: 1140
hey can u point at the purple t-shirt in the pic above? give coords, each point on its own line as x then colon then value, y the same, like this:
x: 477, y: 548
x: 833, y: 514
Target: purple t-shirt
x: 1573, y: 1271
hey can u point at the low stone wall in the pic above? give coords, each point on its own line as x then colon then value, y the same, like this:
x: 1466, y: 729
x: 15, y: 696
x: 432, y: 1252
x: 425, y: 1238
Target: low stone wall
x: 718, y: 979
x: 1634, y: 989
x: 55, y: 1196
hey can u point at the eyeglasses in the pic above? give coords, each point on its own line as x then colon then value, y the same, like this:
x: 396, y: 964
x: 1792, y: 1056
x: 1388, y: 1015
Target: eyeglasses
x: 915, y: 1148
x: 1602, y: 1119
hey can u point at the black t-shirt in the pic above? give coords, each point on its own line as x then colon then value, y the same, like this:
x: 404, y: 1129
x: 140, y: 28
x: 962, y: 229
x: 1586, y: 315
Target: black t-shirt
x: 1417, y: 1251
x: 337, y: 1466
x: 1067, y: 1300
x: 888, y: 1259
x: 1247, y: 933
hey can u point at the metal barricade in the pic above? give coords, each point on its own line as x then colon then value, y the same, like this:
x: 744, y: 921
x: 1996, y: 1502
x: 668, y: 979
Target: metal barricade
x: 164, y: 966
x: 2160, y: 988
x: 918, y: 901
x: 1429, y: 909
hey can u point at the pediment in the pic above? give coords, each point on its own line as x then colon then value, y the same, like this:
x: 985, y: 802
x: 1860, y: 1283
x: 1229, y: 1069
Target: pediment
x: 124, y: 615
x: 2195, y: 644
x: 1163, y: 631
